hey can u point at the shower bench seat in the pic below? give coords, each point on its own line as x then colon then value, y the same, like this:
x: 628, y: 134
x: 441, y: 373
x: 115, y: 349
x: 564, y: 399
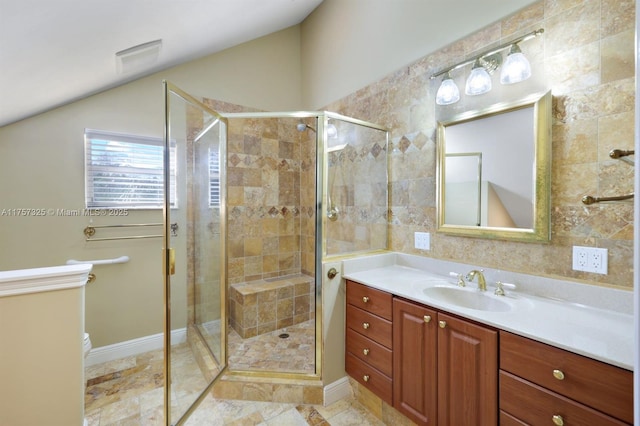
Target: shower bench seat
x: 262, y: 306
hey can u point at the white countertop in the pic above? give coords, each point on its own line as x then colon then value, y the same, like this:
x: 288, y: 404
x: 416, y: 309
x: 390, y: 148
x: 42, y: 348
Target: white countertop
x: 597, y: 333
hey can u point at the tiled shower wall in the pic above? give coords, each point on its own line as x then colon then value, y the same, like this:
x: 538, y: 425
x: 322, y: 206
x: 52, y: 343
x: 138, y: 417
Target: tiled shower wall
x: 586, y: 58
x: 270, y: 220
x: 357, y: 185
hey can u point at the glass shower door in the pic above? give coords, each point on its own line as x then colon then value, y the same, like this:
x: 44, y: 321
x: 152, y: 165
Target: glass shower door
x: 194, y: 254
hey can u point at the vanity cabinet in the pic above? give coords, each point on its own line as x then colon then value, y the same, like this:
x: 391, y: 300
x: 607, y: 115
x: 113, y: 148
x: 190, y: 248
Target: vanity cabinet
x: 445, y: 368
x: 369, y: 355
x: 415, y: 366
x: 542, y: 384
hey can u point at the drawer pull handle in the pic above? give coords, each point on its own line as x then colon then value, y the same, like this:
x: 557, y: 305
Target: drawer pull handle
x: 365, y: 352
x: 427, y: 318
x: 365, y: 299
x: 558, y: 374
x: 558, y: 420
x: 442, y: 324
x: 365, y: 325
x: 365, y: 378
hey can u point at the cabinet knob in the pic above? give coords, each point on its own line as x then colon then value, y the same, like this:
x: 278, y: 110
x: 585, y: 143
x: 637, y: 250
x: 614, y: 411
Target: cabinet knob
x: 558, y: 374
x: 365, y: 377
x: 365, y: 299
x: 442, y: 324
x: 365, y: 352
x: 365, y: 325
x: 427, y: 318
x: 558, y: 420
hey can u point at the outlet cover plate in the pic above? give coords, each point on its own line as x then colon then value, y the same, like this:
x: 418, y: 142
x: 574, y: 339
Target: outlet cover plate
x: 590, y: 259
x: 422, y: 240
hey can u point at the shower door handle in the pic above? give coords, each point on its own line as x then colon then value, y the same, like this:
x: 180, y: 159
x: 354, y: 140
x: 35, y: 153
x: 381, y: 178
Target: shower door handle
x: 172, y: 261
x: 169, y: 269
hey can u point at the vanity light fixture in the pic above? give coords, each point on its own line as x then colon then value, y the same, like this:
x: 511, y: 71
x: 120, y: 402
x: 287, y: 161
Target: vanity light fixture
x: 516, y: 68
x: 479, y: 81
x: 448, y: 92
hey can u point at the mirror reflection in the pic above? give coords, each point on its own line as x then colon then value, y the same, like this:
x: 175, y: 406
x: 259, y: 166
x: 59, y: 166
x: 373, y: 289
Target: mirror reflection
x: 494, y: 171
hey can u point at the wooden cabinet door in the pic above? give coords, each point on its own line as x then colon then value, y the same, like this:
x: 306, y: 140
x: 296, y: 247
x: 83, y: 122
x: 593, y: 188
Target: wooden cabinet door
x: 414, y: 361
x: 467, y: 373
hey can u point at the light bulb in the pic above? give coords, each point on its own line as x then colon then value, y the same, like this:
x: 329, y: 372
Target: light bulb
x: 448, y: 92
x: 479, y: 81
x: 516, y: 68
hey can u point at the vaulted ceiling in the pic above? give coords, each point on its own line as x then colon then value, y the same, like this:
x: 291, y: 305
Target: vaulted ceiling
x: 56, y: 51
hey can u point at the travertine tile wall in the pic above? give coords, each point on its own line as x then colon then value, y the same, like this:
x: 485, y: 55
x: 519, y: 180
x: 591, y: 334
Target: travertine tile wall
x: 586, y: 59
x: 357, y: 187
x: 270, y: 221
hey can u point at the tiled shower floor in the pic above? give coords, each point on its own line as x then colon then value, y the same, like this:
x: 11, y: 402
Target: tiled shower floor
x: 295, y: 353
x: 129, y: 391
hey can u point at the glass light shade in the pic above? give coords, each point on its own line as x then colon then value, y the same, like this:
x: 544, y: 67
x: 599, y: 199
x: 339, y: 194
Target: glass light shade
x: 516, y: 68
x: 448, y: 92
x: 479, y: 81
x: 332, y: 131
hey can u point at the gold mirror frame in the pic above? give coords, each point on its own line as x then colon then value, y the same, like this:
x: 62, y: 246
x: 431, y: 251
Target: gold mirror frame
x: 540, y: 232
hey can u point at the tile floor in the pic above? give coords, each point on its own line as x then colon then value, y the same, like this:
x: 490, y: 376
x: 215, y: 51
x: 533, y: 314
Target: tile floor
x: 129, y: 391
x: 295, y: 353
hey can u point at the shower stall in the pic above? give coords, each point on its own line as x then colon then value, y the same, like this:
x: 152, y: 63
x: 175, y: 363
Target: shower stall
x: 264, y: 198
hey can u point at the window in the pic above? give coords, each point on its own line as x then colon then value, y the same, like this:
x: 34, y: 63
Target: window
x: 214, y: 178
x: 126, y: 171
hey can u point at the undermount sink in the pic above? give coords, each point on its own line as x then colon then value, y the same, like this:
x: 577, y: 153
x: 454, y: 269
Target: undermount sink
x: 468, y: 298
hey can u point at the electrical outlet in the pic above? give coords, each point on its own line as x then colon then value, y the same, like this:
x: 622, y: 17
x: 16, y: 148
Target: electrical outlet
x: 422, y: 240
x: 580, y: 257
x: 590, y: 259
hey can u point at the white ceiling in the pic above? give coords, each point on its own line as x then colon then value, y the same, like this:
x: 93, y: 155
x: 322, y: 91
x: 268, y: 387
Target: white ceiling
x: 56, y: 51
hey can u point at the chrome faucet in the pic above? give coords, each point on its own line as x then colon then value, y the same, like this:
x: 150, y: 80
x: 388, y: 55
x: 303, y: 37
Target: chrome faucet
x: 482, y: 284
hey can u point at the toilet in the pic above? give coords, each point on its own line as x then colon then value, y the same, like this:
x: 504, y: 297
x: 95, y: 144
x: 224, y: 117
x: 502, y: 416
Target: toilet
x: 86, y: 345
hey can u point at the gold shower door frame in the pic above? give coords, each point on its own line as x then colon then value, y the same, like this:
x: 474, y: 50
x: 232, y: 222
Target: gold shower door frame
x: 169, y: 254
x: 321, y: 221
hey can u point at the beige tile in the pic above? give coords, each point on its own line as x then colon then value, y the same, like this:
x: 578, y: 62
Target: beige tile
x: 618, y: 60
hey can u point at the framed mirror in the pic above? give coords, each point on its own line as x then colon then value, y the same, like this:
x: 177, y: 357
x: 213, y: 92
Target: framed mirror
x: 494, y: 171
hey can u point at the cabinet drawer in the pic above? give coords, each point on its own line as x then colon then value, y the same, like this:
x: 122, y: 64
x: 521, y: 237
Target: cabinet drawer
x: 370, y: 378
x: 370, y: 352
x: 599, y: 385
x: 507, y: 419
x: 371, y: 300
x: 372, y: 326
x: 534, y: 405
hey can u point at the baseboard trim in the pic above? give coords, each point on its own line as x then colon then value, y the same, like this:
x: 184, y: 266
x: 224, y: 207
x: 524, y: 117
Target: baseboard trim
x: 133, y: 347
x: 336, y: 391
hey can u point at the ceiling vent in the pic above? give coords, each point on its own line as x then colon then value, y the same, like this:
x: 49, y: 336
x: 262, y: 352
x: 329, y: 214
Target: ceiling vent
x: 138, y: 58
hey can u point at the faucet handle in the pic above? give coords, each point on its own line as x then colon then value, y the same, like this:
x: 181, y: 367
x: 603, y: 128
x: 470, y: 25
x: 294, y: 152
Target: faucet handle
x: 500, y: 286
x: 461, y: 282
